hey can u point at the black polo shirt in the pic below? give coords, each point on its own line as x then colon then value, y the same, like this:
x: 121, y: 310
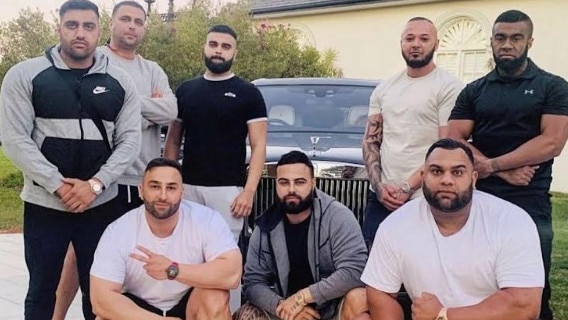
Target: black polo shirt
x: 507, y: 113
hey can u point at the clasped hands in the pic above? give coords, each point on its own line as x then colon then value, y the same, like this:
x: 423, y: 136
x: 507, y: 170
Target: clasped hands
x: 76, y: 194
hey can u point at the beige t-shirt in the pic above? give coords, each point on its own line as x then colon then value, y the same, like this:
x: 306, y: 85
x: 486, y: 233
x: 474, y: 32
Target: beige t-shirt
x: 413, y: 109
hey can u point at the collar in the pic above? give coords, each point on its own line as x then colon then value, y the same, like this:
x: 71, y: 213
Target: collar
x: 530, y: 72
x: 223, y: 78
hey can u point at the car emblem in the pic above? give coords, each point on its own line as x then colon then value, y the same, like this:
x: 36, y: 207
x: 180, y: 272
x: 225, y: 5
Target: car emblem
x: 315, y: 140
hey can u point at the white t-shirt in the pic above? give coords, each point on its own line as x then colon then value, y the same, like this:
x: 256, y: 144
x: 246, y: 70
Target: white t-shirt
x: 200, y: 235
x: 413, y: 109
x: 498, y: 247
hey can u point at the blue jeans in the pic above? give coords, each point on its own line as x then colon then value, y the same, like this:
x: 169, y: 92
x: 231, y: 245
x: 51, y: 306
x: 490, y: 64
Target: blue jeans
x: 375, y: 213
x: 47, y: 234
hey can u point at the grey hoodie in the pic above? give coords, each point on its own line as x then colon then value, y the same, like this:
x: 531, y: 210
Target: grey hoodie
x: 336, y: 251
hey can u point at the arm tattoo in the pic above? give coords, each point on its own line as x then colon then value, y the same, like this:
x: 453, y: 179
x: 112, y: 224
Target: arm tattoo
x: 371, y: 149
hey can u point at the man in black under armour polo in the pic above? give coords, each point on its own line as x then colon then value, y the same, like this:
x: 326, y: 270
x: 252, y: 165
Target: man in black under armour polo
x: 517, y: 119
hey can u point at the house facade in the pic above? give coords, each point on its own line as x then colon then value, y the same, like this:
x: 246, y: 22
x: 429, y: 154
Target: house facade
x: 366, y: 35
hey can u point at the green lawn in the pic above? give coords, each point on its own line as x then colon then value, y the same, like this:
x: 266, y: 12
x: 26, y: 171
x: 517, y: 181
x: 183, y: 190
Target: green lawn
x: 559, y: 273
x: 11, y: 205
x: 11, y: 220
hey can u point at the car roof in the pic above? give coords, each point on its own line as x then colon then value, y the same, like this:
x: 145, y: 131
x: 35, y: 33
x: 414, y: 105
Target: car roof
x: 315, y: 81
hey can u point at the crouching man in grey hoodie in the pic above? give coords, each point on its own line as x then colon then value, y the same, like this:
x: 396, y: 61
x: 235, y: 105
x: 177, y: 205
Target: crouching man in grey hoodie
x: 306, y: 254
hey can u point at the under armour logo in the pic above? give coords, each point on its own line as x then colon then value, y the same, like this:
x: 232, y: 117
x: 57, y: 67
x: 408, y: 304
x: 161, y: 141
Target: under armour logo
x: 230, y: 94
x: 529, y: 91
x: 99, y: 90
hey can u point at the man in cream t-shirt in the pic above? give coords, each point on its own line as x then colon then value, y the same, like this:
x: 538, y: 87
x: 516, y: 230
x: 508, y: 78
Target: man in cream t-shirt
x: 408, y: 112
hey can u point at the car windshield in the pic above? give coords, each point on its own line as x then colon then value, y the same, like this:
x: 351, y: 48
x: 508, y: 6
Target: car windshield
x: 317, y: 108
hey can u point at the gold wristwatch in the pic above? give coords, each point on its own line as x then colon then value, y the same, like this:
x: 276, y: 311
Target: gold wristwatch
x: 300, y: 299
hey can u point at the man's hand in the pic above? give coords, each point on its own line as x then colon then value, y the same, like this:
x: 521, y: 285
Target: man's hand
x: 154, y: 264
x: 485, y: 166
x: 389, y: 196
x: 518, y: 177
x: 307, y: 313
x: 288, y: 309
x: 79, y: 197
x: 426, y: 307
x: 242, y: 205
x: 63, y: 189
x: 157, y: 94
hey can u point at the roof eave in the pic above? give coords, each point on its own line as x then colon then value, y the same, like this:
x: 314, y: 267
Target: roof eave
x: 339, y: 6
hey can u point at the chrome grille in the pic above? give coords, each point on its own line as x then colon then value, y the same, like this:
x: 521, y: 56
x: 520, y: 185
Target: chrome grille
x: 351, y: 192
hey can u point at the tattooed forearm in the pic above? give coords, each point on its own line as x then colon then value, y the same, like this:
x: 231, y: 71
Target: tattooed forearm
x: 371, y: 149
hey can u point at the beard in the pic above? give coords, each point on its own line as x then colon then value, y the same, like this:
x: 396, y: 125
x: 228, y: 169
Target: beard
x: 293, y: 207
x: 77, y: 55
x: 416, y: 64
x: 461, y: 201
x: 161, y: 214
x: 510, y: 66
x: 217, y: 67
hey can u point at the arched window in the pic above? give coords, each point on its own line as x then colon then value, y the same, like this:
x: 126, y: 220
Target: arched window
x: 464, y: 48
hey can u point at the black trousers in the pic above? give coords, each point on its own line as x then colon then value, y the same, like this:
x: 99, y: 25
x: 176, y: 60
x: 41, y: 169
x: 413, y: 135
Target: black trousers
x: 47, y: 234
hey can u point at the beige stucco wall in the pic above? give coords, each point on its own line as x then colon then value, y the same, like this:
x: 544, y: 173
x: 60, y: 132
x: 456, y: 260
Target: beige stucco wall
x: 367, y: 40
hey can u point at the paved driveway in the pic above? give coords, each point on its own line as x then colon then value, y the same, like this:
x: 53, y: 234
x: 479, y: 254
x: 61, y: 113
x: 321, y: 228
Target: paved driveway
x: 14, y: 280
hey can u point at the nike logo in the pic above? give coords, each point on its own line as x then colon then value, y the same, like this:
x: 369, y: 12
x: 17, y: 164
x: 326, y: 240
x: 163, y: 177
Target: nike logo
x: 99, y: 90
x: 230, y: 94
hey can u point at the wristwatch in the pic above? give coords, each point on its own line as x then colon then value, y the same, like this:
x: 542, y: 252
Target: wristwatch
x: 443, y: 314
x: 300, y: 299
x: 96, y: 187
x: 405, y: 187
x: 172, y: 271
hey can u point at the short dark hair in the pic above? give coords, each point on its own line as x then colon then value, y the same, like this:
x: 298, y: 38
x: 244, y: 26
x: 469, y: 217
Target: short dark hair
x: 221, y: 28
x: 420, y: 19
x: 450, y: 144
x: 294, y: 157
x: 162, y: 162
x: 78, y: 5
x: 512, y: 16
x: 129, y: 3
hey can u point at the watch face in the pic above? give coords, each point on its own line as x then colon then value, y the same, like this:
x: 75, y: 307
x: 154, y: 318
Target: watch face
x: 172, y: 271
x: 299, y: 298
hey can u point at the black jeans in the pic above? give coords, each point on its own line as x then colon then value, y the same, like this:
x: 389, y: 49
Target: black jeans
x: 539, y: 208
x: 375, y: 213
x: 47, y: 234
x: 128, y: 198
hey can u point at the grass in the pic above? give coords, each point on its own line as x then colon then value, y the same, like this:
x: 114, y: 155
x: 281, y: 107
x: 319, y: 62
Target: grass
x: 11, y: 212
x: 11, y: 208
x: 559, y: 272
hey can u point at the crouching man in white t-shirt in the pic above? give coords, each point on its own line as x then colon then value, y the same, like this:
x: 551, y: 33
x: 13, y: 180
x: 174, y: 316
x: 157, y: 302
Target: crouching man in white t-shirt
x: 168, y: 258
x: 460, y: 253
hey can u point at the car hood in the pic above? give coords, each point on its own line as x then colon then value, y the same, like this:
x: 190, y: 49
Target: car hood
x: 324, y: 146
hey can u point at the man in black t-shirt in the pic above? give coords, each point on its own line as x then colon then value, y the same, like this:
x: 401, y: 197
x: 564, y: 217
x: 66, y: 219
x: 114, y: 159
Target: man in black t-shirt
x: 306, y: 254
x: 216, y: 113
x: 517, y: 119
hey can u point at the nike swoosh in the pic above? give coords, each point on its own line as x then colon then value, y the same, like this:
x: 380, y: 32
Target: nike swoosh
x: 100, y: 90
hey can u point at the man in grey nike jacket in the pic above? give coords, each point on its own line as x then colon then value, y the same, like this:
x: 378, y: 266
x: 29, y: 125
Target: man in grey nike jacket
x: 66, y: 123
